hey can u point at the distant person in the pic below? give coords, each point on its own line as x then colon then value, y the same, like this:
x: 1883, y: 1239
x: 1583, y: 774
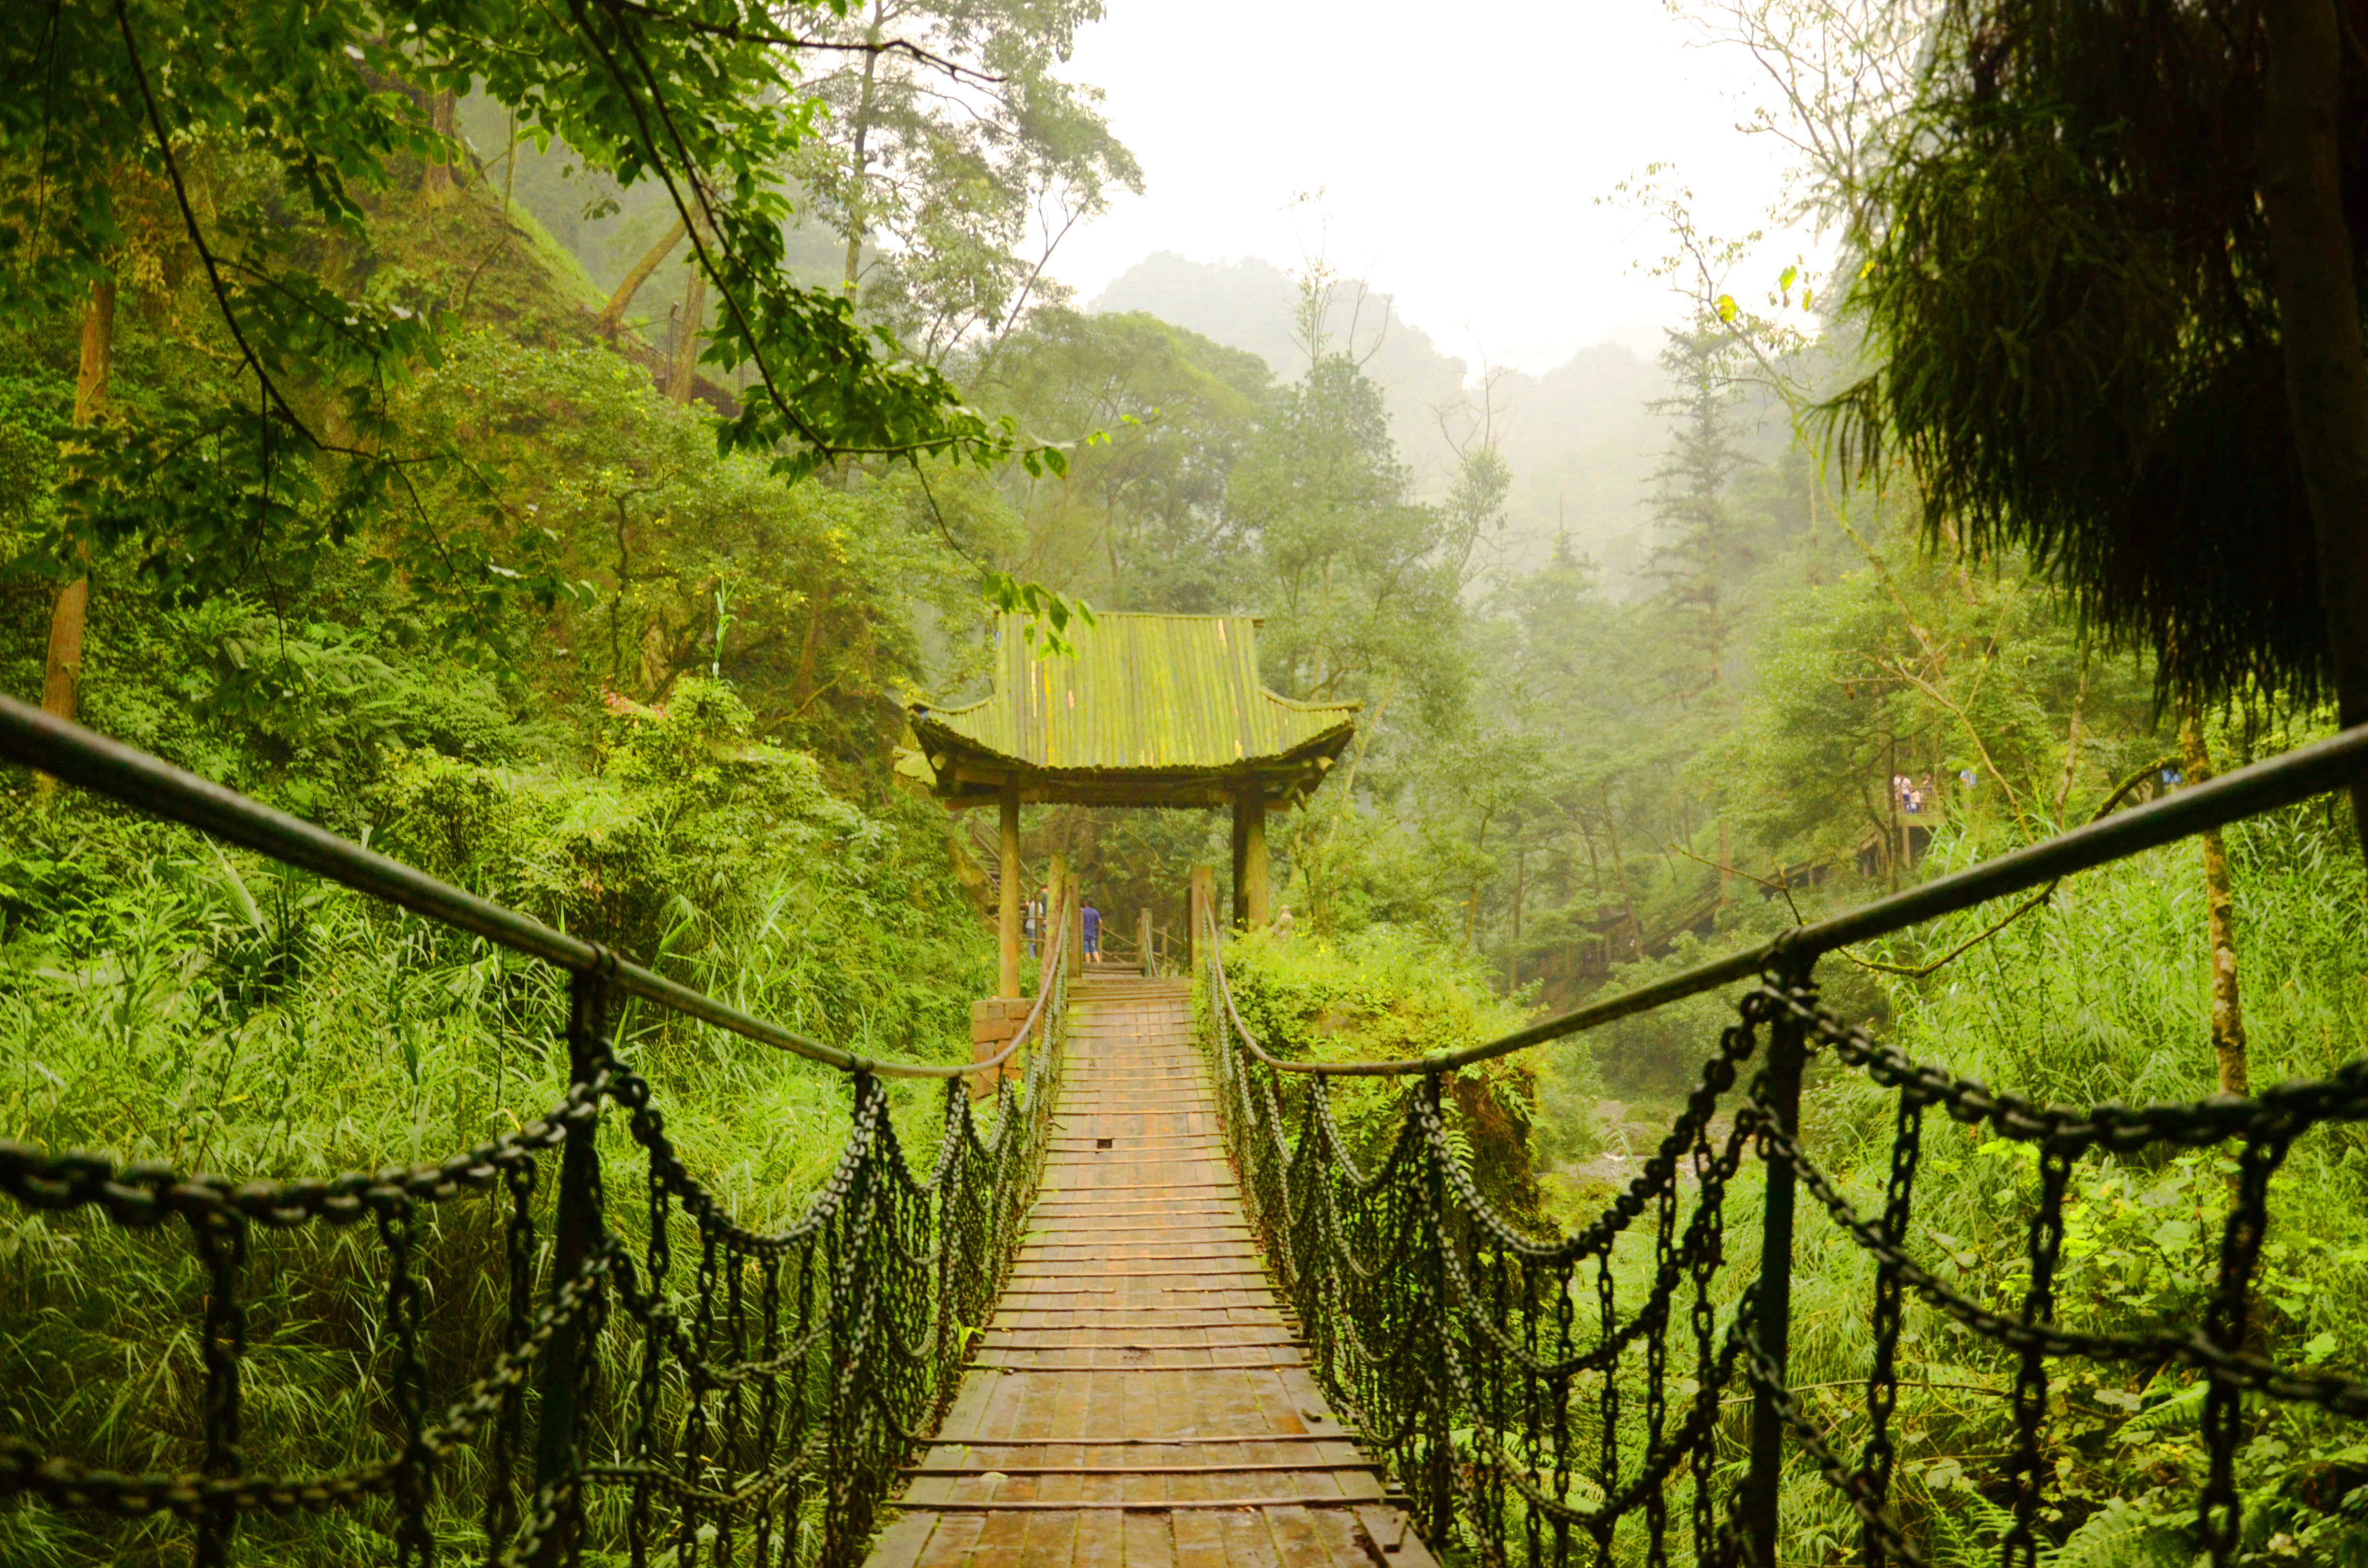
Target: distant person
x: 1915, y: 801
x: 1093, y: 933
x: 1031, y: 920
x: 1281, y: 923
x: 1968, y: 777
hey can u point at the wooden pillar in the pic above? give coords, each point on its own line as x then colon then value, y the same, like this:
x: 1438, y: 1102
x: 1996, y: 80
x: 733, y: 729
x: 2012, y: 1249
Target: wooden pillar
x: 1199, y: 908
x: 1142, y: 940
x: 1073, y: 907
x: 1056, y: 891
x: 1007, y: 907
x: 1241, y: 860
x: 993, y: 1022
x: 1256, y: 908
x: 1047, y: 933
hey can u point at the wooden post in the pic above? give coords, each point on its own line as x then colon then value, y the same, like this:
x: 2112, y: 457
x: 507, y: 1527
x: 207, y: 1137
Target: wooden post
x: 1142, y: 940
x: 1073, y: 908
x: 1256, y: 908
x: 1056, y: 909
x: 1763, y: 1482
x: 1200, y: 909
x: 577, y: 1231
x: 1008, y: 910
x: 1045, y: 931
x: 1241, y: 860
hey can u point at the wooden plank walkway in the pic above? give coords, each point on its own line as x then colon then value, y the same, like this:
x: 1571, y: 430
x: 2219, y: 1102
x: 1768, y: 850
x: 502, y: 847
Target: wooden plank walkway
x: 1140, y: 1400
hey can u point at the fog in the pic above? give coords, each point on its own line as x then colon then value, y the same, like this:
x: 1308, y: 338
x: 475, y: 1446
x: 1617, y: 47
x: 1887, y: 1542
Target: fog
x: 1463, y: 158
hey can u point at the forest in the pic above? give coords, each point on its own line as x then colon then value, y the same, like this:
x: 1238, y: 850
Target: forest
x: 553, y: 446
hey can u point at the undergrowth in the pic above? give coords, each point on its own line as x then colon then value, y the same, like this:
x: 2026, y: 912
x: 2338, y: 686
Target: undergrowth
x: 1389, y: 991
x: 2101, y: 994
x: 167, y: 1000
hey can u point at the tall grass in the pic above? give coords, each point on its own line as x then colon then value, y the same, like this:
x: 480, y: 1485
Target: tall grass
x: 162, y: 999
x: 2102, y: 996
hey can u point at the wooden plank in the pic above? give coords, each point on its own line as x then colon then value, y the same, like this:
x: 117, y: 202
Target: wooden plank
x: 1155, y: 1505
x: 900, y: 1545
x: 1080, y: 1442
x: 1125, y: 1415
x: 1041, y: 1366
x: 1248, y: 1544
x: 1200, y: 1538
x: 1101, y: 1533
x: 1149, y: 1541
x: 1052, y: 1535
x: 1295, y: 1467
x: 952, y: 1542
x: 1393, y: 1536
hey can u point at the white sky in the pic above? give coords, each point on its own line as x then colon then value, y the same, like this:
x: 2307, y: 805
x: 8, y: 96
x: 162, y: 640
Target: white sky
x: 1461, y: 155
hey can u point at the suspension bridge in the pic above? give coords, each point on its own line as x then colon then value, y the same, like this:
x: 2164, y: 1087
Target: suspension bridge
x: 1142, y: 1298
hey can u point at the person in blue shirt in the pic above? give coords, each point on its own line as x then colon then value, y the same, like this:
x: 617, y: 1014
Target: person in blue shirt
x: 1093, y: 933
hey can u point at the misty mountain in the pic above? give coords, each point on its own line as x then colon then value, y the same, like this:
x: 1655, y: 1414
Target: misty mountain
x: 1582, y: 445
x: 1252, y: 304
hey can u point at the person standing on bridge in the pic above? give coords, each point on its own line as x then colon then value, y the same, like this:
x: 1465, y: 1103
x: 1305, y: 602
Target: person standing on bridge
x: 1093, y: 933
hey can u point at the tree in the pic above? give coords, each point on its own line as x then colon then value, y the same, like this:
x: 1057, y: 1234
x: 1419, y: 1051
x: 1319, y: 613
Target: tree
x: 62, y: 669
x: 1162, y: 417
x: 2109, y: 286
x: 1362, y: 600
x: 294, y: 448
x: 1700, y: 553
x: 938, y: 180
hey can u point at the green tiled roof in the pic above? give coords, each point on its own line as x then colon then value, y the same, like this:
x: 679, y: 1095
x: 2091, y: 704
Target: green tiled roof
x: 1144, y: 695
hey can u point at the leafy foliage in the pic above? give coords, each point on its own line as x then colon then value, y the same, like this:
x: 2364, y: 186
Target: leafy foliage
x: 311, y: 117
x: 2067, y: 280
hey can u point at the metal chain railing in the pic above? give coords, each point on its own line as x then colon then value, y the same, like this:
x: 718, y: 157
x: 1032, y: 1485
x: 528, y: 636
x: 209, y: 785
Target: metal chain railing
x: 1530, y: 1413
x: 747, y: 1400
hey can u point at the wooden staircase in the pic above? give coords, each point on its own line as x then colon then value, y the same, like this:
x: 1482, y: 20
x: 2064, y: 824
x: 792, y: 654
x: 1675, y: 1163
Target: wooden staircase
x: 1139, y: 1399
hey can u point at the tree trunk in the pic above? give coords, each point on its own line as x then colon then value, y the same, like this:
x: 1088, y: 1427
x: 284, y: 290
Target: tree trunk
x: 612, y: 317
x: 855, y: 224
x: 437, y: 181
x: 1627, y: 890
x: 2318, y: 329
x: 61, y: 670
x: 810, y: 650
x: 1726, y: 868
x: 685, y: 353
x: 2220, y: 913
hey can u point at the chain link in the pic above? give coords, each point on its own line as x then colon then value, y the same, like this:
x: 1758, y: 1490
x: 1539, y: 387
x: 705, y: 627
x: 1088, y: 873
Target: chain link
x: 719, y: 1438
x: 1432, y: 1312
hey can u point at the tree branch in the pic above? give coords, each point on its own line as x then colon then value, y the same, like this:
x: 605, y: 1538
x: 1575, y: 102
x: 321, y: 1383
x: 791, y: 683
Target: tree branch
x: 735, y: 34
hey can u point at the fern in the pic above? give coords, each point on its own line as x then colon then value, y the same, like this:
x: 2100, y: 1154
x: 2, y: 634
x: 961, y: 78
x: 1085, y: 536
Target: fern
x: 1963, y: 1535
x: 2122, y: 1535
x: 2181, y: 1411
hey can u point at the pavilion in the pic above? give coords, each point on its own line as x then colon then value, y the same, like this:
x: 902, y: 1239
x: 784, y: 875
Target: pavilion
x: 1149, y: 710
